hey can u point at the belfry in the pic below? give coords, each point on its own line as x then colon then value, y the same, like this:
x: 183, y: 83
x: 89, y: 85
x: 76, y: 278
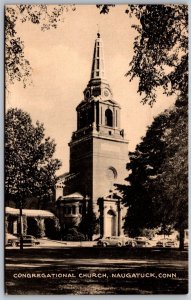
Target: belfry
x: 98, y: 157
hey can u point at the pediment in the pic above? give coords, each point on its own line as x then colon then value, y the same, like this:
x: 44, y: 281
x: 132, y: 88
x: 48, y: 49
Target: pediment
x: 111, y: 102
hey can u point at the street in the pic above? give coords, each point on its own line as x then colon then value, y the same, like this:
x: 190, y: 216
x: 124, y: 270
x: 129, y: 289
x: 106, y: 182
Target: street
x: 92, y: 270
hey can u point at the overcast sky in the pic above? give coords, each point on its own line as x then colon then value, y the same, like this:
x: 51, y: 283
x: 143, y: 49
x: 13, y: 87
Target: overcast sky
x: 61, y: 60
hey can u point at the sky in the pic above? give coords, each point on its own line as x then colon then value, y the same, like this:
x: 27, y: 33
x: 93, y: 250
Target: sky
x: 61, y: 60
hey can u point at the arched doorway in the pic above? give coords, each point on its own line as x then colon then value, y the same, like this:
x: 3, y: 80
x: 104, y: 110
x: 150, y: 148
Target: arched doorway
x: 50, y: 229
x: 32, y: 227
x: 111, y: 223
x: 108, y: 117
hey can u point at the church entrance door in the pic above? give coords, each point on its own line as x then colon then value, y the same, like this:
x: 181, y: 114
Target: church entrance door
x: 111, y: 224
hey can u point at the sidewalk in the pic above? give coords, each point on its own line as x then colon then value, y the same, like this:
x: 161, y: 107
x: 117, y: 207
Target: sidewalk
x: 44, y: 242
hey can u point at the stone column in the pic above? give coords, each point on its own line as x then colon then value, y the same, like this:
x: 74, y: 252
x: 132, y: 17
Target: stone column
x: 104, y: 220
x: 25, y: 225
x: 95, y: 114
x: 114, y: 120
x: 77, y: 209
x: 119, y: 218
x: 6, y: 224
x: 119, y: 119
x: 41, y: 226
x: 101, y: 115
x: 16, y: 225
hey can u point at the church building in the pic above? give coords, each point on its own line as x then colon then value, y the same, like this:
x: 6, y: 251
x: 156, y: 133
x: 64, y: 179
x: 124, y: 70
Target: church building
x: 98, y: 157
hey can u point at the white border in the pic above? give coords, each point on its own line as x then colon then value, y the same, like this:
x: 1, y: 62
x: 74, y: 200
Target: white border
x: 2, y: 3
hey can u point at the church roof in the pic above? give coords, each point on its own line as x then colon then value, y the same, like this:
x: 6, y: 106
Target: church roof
x: 29, y: 212
x: 62, y: 176
x: 72, y: 196
x: 70, y: 176
x: 111, y: 102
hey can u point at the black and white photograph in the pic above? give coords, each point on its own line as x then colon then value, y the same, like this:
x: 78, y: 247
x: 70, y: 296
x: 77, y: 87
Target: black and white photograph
x: 96, y: 149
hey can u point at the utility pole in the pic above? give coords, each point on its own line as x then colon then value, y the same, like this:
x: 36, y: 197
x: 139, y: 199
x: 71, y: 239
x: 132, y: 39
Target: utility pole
x: 21, y: 225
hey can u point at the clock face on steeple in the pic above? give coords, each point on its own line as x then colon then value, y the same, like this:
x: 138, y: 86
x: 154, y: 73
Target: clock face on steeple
x: 106, y: 93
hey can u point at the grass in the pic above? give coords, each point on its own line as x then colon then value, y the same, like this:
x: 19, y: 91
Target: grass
x: 96, y: 260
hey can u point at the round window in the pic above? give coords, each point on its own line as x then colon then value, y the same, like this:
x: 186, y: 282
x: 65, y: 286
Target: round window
x: 111, y: 173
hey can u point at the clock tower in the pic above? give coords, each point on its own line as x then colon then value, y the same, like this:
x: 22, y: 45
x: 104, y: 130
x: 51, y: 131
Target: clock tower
x: 98, y: 149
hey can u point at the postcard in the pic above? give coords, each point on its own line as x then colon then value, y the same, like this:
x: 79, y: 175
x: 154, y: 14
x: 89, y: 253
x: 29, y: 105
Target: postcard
x: 96, y: 149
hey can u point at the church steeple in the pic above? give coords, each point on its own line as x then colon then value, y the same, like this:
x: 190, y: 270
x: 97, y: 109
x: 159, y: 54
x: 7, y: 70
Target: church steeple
x: 98, y: 60
x: 98, y: 87
x: 98, y: 113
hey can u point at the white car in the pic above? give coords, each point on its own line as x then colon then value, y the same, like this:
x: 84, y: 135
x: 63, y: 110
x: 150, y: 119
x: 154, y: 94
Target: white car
x: 167, y: 243
x: 118, y: 241
x: 142, y: 241
x: 11, y: 240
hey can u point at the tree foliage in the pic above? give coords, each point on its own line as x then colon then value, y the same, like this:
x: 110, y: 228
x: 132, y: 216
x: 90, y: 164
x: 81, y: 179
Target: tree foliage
x: 144, y: 165
x: 89, y: 225
x: 72, y: 234
x: 157, y: 194
x: 29, y: 164
x: 17, y: 67
x: 105, y: 8
x: 160, y: 50
x: 161, y: 60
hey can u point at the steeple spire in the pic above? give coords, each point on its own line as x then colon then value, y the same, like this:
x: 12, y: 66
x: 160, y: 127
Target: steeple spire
x: 98, y: 87
x: 98, y: 59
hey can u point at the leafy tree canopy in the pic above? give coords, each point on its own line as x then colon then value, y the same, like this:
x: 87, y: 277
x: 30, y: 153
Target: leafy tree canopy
x: 89, y: 225
x: 160, y: 50
x: 29, y: 164
x: 157, y: 194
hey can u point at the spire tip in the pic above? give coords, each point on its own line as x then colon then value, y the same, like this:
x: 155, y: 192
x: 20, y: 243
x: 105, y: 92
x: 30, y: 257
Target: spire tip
x: 98, y: 32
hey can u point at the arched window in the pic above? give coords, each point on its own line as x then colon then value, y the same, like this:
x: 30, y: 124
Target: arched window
x: 108, y: 117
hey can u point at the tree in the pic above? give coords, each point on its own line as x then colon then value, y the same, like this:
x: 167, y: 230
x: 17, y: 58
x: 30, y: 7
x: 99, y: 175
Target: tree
x: 72, y: 234
x: 161, y: 60
x: 174, y: 173
x: 160, y: 50
x: 17, y: 67
x: 29, y: 164
x: 89, y: 225
x: 144, y: 165
x: 157, y: 194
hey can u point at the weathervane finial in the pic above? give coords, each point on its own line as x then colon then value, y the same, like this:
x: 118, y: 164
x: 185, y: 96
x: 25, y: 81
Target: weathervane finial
x: 98, y: 31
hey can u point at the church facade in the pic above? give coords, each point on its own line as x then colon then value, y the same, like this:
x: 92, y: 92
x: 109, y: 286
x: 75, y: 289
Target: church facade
x: 98, y: 157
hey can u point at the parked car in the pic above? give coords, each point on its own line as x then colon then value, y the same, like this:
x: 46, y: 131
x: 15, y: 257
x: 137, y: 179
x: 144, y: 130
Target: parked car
x: 186, y: 239
x: 152, y: 242
x: 130, y: 242
x: 29, y: 240
x: 186, y: 245
x: 11, y: 240
x: 14, y: 241
x: 142, y: 241
x: 112, y: 241
x: 167, y: 243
